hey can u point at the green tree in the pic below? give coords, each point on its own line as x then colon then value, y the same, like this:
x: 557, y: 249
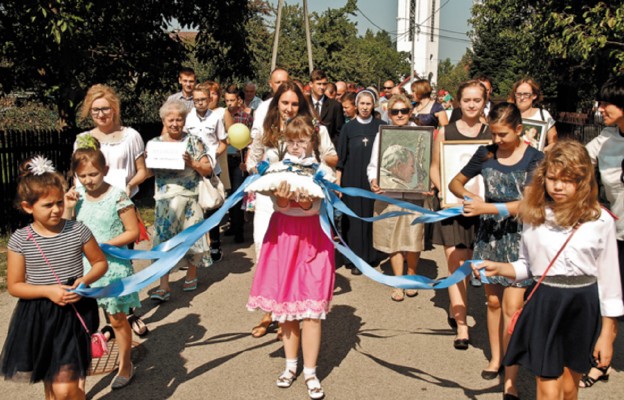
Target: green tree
x: 59, y: 48
x: 451, y: 76
x: 567, y: 46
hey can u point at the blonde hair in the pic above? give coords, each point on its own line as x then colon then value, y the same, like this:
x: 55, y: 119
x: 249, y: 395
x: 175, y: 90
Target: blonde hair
x: 100, y: 91
x: 570, y: 161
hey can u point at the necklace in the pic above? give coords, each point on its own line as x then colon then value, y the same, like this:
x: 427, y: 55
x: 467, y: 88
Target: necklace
x: 422, y: 106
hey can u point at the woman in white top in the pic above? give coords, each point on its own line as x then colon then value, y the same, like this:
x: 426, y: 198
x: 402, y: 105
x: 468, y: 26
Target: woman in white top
x: 122, y: 146
x: 570, y: 319
x: 287, y: 103
x: 526, y: 94
x: 607, y: 153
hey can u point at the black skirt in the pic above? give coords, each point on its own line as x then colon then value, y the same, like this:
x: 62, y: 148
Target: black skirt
x: 47, y: 342
x: 558, y: 328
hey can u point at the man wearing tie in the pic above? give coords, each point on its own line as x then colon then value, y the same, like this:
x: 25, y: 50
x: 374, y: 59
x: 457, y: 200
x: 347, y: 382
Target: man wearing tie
x: 329, y: 111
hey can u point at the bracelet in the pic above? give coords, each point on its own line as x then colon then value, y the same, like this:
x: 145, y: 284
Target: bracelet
x: 503, y: 211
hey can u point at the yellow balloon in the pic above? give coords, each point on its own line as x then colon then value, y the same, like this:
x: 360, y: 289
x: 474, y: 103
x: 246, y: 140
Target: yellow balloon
x: 239, y: 136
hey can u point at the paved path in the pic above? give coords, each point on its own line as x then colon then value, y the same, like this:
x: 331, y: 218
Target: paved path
x: 372, y: 348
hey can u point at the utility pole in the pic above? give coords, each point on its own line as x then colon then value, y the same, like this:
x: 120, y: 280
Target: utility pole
x: 308, y: 38
x: 280, y: 4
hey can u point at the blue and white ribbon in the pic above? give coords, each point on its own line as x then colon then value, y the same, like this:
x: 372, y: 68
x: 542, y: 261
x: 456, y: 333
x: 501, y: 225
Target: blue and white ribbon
x: 169, y: 253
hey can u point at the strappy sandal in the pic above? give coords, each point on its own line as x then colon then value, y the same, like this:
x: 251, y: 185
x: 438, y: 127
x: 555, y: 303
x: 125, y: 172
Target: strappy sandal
x: 587, y: 381
x: 398, y: 295
x: 262, y: 328
x: 161, y: 295
x: 108, y: 329
x: 411, y: 292
x: 137, y: 325
x: 285, y: 381
x: 189, y: 286
x: 315, y: 391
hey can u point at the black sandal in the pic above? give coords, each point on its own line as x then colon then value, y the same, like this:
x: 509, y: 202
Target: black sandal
x: 137, y: 325
x: 588, y: 381
x: 108, y: 329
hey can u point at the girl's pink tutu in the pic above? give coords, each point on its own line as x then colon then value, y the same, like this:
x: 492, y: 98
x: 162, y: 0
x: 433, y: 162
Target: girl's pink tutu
x: 295, y: 273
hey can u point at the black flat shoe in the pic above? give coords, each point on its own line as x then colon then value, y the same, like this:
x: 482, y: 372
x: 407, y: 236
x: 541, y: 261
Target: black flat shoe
x: 462, y: 344
x: 355, y: 271
x: 509, y: 396
x: 490, y: 375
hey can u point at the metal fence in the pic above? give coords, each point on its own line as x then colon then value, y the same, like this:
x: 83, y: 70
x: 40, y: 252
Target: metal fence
x: 17, y: 146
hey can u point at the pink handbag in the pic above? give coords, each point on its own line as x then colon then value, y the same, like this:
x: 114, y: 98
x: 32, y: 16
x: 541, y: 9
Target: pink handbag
x: 99, y: 347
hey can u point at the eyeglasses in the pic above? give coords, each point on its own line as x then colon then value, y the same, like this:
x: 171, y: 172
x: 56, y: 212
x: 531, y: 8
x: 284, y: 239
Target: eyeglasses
x: 523, y: 95
x: 622, y: 174
x: 200, y: 100
x: 298, y: 143
x: 103, y: 110
x: 388, y: 87
x: 396, y: 111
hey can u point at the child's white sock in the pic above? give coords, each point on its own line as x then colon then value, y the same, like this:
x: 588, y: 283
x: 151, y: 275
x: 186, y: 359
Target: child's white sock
x: 308, y: 372
x: 291, y: 366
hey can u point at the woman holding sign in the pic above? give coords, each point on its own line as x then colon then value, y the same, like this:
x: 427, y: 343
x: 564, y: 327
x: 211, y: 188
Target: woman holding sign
x: 176, y: 192
x: 457, y: 234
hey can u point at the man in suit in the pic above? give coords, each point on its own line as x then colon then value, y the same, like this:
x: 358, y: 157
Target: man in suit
x: 328, y: 110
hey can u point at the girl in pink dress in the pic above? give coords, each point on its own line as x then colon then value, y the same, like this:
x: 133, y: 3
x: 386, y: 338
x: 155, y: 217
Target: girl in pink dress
x: 294, y: 280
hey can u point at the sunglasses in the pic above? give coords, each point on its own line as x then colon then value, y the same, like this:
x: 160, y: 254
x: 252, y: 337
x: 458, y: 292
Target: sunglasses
x: 622, y: 174
x: 396, y: 111
x: 388, y: 87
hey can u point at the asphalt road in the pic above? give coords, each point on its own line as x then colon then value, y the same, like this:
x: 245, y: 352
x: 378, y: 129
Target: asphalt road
x: 199, y: 346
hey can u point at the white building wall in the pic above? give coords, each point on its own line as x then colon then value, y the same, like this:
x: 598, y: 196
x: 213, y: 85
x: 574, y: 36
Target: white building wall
x: 426, y: 43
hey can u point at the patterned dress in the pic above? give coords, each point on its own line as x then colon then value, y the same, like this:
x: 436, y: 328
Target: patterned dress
x: 102, y: 217
x: 177, y: 207
x: 498, y: 238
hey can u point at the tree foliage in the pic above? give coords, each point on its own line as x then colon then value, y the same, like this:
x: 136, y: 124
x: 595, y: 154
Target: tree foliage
x: 451, y: 76
x: 60, y: 48
x: 568, y: 46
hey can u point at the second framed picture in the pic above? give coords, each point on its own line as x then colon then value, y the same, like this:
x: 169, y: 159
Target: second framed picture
x: 405, y: 158
x: 454, y: 155
x: 534, y: 132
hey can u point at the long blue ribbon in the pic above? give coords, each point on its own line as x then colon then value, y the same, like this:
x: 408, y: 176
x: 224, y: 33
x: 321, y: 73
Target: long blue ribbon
x: 169, y: 253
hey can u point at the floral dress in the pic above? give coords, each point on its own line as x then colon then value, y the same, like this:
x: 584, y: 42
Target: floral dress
x: 102, y: 217
x: 177, y: 206
x: 498, y: 237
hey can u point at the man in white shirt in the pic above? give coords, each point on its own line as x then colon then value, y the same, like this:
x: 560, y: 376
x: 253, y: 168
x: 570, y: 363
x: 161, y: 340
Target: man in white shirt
x: 186, y: 78
x: 208, y: 126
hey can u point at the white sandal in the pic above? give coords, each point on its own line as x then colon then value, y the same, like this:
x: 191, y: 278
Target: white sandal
x: 315, y: 391
x: 284, y: 380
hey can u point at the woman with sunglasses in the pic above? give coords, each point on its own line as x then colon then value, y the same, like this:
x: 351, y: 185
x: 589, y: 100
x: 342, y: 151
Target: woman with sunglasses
x: 526, y: 94
x: 396, y: 237
x: 607, y: 153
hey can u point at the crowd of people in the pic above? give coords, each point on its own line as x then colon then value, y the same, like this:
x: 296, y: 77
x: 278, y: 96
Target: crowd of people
x: 550, y: 252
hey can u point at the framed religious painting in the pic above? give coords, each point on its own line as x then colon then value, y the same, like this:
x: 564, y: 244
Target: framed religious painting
x: 454, y: 155
x: 405, y: 158
x: 534, y: 132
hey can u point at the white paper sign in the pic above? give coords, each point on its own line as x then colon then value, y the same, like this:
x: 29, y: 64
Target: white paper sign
x: 165, y: 155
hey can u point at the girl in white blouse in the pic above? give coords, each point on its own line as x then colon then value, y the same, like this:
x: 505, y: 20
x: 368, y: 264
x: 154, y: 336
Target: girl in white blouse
x: 569, y: 323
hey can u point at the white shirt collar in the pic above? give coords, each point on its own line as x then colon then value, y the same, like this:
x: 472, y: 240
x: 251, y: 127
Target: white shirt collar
x: 364, y: 121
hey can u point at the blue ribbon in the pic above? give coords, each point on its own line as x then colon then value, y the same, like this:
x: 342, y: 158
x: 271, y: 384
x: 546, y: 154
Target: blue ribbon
x: 169, y: 253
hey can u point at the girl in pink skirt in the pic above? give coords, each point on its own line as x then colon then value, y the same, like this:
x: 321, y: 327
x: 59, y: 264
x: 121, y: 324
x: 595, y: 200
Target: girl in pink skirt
x: 294, y: 280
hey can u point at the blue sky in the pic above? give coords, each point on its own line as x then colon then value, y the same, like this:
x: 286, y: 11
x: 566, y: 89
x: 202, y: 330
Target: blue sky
x: 377, y: 14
